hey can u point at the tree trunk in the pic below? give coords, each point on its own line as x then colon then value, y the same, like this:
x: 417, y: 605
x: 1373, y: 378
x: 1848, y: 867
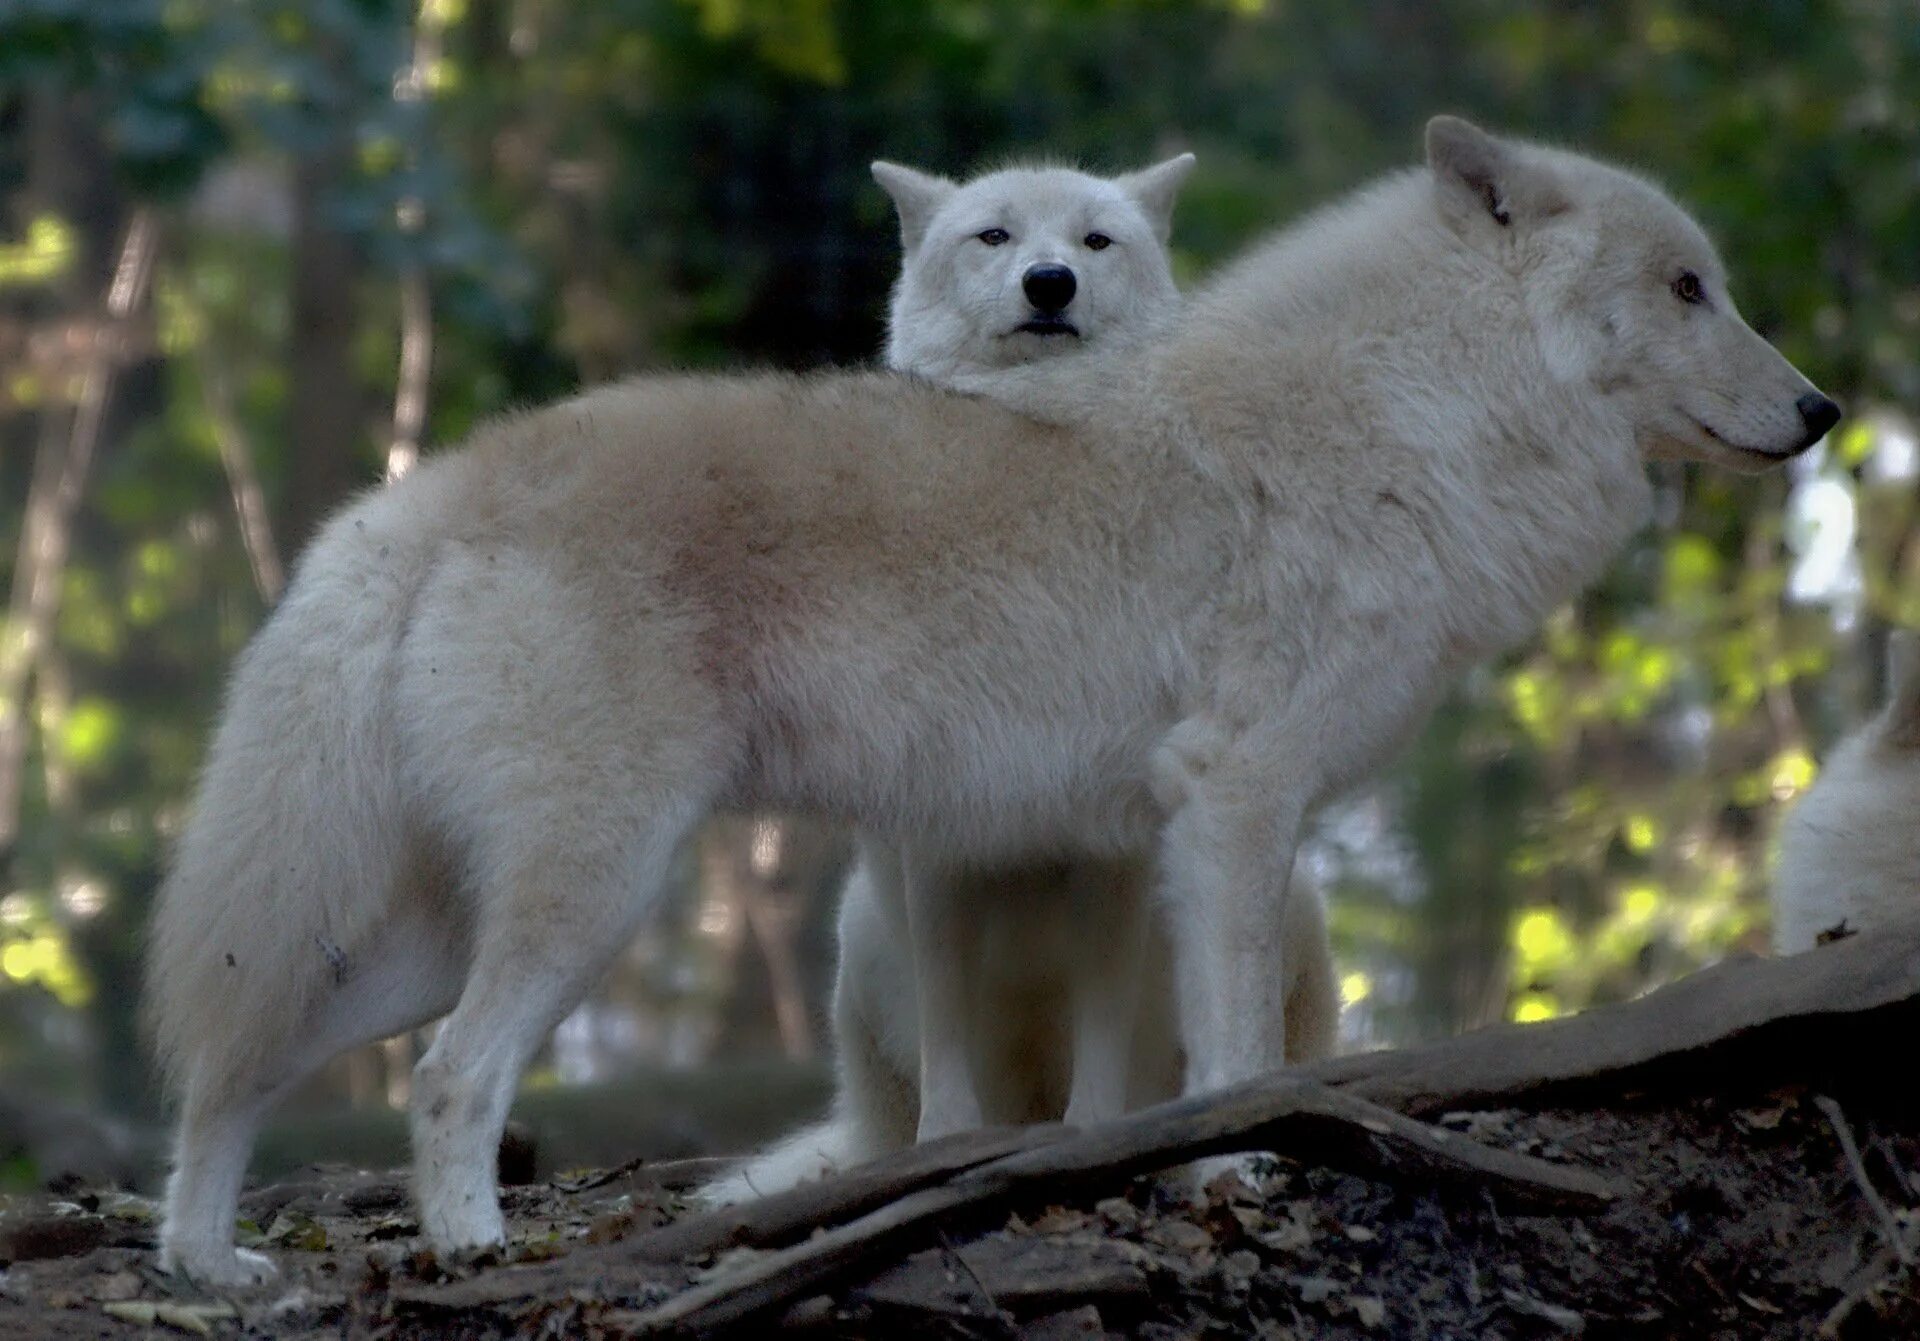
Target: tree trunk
x: 327, y: 430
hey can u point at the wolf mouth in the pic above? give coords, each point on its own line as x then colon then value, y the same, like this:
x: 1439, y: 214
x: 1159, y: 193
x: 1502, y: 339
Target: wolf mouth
x: 1046, y: 325
x: 1755, y: 452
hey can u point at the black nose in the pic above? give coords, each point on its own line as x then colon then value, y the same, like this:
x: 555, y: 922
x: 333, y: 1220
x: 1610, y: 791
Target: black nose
x: 1818, y: 413
x: 1049, y: 287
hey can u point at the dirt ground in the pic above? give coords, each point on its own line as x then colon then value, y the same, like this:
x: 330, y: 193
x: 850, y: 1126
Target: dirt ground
x: 1742, y: 1218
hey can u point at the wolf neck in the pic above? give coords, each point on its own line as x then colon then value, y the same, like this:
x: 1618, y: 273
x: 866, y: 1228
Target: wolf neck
x: 1091, y: 388
x: 1364, y: 365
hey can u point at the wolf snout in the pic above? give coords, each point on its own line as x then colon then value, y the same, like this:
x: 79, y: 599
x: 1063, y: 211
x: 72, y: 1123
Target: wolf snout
x: 1049, y: 287
x: 1817, y: 415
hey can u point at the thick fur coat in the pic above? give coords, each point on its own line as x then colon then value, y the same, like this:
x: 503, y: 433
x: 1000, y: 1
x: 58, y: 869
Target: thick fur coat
x: 1191, y: 600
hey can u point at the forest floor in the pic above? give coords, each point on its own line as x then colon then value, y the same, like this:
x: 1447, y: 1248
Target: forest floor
x: 1736, y: 1168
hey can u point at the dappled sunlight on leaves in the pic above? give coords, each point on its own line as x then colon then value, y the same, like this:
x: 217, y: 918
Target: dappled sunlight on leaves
x: 605, y: 188
x: 45, y: 960
x: 44, y: 255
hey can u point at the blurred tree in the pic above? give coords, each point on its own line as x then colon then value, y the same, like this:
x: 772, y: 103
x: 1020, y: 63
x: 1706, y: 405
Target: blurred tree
x: 372, y: 223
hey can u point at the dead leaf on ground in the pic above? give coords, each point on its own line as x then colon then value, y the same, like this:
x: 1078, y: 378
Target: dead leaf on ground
x: 114, y: 1287
x: 1060, y: 1220
x: 1181, y: 1235
x: 392, y: 1227
x: 301, y: 1233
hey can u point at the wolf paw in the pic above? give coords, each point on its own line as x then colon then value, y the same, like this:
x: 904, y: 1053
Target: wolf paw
x: 472, y: 1224
x: 221, y: 1267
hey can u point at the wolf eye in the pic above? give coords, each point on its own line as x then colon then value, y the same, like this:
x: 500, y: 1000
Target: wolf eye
x: 1688, y: 288
x: 993, y: 237
x: 1097, y: 241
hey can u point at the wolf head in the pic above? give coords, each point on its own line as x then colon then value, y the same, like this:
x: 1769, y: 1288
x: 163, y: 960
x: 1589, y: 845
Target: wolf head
x: 1025, y: 263
x: 1628, y: 297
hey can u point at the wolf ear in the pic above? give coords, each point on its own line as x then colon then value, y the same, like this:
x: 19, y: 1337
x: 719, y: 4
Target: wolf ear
x: 1154, y: 190
x: 1480, y: 177
x: 1902, y: 718
x: 917, y: 197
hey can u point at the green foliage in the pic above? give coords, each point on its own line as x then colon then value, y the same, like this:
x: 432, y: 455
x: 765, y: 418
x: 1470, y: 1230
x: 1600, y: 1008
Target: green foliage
x: 591, y: 188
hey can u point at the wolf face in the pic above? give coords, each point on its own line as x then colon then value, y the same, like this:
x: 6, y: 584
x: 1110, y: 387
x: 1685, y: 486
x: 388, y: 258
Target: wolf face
x: 1627, y: 296
x: 1019, y: 264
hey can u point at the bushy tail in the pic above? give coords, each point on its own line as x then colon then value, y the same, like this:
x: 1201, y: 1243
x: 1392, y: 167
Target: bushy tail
x: 296, y: 839
x: 814, y: 1152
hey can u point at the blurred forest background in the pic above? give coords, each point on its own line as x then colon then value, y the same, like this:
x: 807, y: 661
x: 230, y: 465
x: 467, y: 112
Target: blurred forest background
x: 255, y: 256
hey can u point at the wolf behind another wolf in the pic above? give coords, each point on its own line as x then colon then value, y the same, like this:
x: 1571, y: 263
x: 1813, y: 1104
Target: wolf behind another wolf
x: 1222, y: 580
x: 1016, y: 992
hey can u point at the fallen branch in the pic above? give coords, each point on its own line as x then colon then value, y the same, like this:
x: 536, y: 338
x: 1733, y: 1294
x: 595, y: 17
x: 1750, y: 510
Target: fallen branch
x: 672, y: 1175
x: 775, y: 1221
x: 997, y: 1276
x: 1806, y: 1018
x: 1767, y: 1018
x: 1830, y: 1013
x: 1310, y: 1122
x: 765, y: 1221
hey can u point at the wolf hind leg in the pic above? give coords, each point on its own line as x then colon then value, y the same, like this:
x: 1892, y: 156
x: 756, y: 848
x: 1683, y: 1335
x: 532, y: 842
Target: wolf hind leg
x: 410, y: 976
x: 215, y: 1141
x: 1105, y: 992
x: 945, y: 950
x: 545, y: 933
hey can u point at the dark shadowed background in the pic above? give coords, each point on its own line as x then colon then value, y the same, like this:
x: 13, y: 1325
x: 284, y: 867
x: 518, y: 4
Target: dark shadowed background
x: 254, y: 257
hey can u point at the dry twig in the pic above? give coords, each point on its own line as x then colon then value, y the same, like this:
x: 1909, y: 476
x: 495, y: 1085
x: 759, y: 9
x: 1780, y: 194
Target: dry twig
x: 1889, y: 1224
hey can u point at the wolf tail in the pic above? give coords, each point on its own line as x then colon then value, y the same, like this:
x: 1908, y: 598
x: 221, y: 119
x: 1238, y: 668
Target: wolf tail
x: 814, y: 1152
x: 297, y: 838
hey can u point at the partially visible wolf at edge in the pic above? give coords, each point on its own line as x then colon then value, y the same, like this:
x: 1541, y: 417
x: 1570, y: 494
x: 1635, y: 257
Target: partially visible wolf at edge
x: 1849, y: 861
x: 1046, y: 986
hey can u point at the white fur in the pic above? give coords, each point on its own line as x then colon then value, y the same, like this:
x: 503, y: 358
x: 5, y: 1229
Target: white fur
x: 1849, y: 854
x: 1033, y: 939
x: 1196, y: 596
x: 1046, y: 987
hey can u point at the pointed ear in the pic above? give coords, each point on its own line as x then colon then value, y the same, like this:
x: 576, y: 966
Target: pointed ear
x: 1480, y: 178
x: 1154, y: 190
x: 1902, y: 716
x: 917, y: 197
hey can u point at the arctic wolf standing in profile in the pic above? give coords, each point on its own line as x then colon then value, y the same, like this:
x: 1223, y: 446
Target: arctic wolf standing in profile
x: 1850, y: 852
x: 1040, y: 990
x: 1223, y: 578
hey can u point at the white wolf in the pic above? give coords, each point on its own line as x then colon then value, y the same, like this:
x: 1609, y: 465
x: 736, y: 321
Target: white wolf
x: 1026, y: 264
x: 1045, y: 987
x: 1219, y: 583
x: 1849, y: 855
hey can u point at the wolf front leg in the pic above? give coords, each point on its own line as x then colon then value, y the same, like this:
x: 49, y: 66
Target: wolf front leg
x: 1228, y: 851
